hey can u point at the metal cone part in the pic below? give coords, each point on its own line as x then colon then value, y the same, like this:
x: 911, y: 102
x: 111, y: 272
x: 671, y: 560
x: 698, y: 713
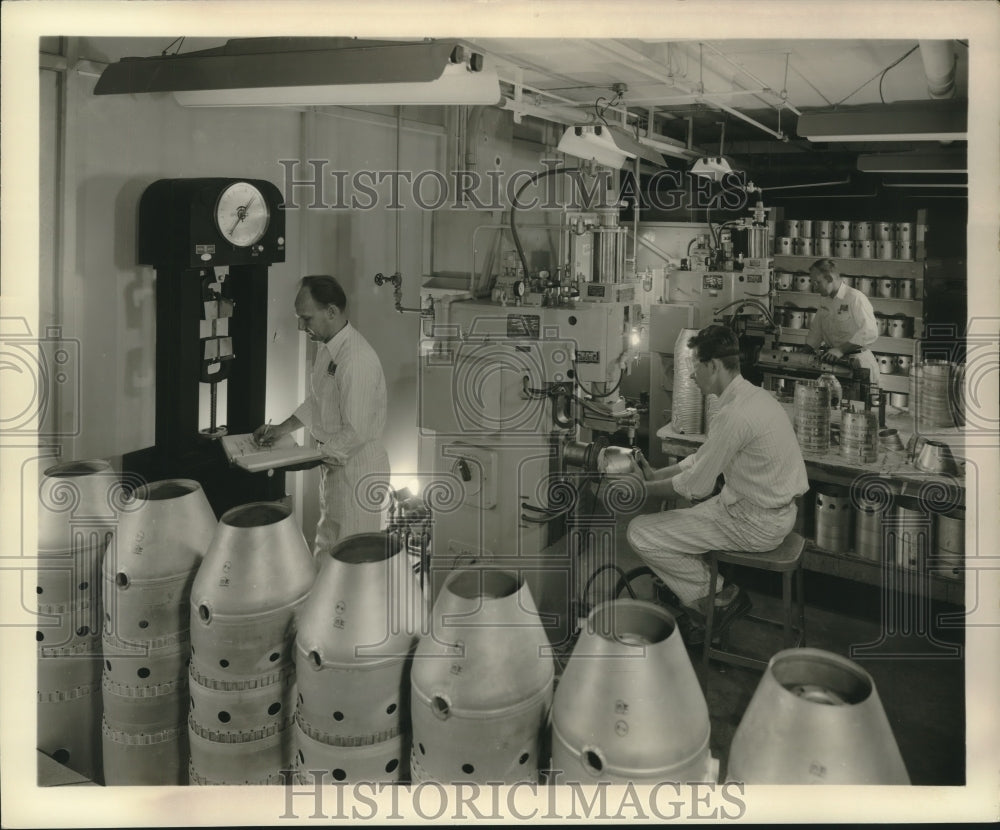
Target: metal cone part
x: 258, y: 560
x: 815, y: 718
x: 628, y: 706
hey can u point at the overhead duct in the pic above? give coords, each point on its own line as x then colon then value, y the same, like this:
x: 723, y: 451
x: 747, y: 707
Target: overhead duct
x: 940, y: 63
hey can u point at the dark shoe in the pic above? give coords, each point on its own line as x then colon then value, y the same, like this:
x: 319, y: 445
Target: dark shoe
x: 730, y: 604
x: 692, y: 631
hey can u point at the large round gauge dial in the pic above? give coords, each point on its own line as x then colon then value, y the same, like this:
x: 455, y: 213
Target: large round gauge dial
x: 241, y: 214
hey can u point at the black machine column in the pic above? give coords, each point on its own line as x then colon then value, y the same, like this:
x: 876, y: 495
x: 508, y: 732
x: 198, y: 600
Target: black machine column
x: 211, y: 242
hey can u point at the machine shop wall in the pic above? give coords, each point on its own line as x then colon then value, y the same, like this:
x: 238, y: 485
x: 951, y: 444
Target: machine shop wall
x: 98, y: 155
x: 112, y: 148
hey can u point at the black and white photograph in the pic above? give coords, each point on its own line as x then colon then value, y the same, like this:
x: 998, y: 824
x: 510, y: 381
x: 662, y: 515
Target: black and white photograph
x: 452, y: 412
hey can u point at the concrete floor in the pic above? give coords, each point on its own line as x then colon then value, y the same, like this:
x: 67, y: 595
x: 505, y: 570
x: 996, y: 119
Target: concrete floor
x: 918, y: 666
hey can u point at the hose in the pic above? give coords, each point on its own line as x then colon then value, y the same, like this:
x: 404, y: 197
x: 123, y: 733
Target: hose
x: 513, y: 207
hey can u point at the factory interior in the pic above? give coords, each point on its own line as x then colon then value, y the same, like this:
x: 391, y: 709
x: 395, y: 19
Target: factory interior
x: 529, y: 232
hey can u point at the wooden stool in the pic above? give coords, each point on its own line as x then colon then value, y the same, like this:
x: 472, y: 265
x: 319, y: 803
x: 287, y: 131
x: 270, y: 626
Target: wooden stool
x: 785, y: 559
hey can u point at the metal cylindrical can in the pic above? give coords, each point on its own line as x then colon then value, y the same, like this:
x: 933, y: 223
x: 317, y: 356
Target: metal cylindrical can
x: 803, y: 283
x: 885, y: 249
x: 906, y: 289
x: 900, y: 400
x: 886, y: 363
x: 864, y: 249
x: 882, y: 231
x: 886, y: 287
x: 866, y: 285
x: 815, y: 718
x: 794, y: 318
x: 482, y: 682
x: 911, y: 535
x: 823, y: 246
x: 790, y: 227
x: 812, y: 415
x: 834, y: 517
x: 841, y: 230
x: 859, y: 436
x: 822, y: 229
x: 904, y: 250
x: 903, y: 363
x: 688, y: 401
x: 785, y: 280
x: 931, y: 381
x: 843, y: 248
x: 604, y: 728
x: 805, y: 227
x: 900, y: 326
x: 783, y: 245
x: 882, y: 324
x: 861, y: 231
x: 803, y: 246
x: 904, y: 231
x: 868, y: 532
x: 950, y: 538
x: 808, y: 316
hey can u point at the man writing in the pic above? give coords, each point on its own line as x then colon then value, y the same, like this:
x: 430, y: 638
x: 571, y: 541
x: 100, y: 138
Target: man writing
x: 345, y: 412
x: 753, y: 445
x: 844, y: 321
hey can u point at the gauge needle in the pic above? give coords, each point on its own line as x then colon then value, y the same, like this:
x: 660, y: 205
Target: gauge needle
x: 241, y: 213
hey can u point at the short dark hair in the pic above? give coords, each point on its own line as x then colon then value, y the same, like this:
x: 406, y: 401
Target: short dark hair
x: 717, y: 341
x: 325, y: 290
x: 826, y: 267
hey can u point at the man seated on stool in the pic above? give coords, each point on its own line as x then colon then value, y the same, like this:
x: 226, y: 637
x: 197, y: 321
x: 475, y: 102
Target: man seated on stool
x: 753, y: 445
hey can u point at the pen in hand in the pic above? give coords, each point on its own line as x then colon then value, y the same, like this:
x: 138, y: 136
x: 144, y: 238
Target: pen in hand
x: 264, y: 439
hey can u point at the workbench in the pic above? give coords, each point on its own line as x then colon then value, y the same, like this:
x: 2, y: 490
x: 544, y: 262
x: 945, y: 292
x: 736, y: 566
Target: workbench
x: 893, y: 469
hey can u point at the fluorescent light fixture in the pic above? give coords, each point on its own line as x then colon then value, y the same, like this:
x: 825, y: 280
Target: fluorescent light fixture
x: 712, y: 167
x: 944, y: 120
x: 287, y: 71
x: 593, y: 142
x: 919, y: 161
x: 457, y: 85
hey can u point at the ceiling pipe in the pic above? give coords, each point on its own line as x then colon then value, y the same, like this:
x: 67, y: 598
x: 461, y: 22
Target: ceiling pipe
x: 940, y: 64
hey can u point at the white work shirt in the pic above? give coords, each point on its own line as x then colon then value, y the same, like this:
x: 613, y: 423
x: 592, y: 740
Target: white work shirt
x: 346, y: 410
x: 845, y: 317
x: 753, y: 444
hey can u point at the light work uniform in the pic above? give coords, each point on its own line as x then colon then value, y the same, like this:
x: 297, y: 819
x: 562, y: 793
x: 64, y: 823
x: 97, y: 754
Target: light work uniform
x: 849, y: 317
x: 753, y: 444
x: 346, y: 412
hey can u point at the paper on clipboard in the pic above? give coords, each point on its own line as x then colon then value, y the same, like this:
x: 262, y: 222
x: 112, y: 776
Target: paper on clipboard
x: 244, y: 452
